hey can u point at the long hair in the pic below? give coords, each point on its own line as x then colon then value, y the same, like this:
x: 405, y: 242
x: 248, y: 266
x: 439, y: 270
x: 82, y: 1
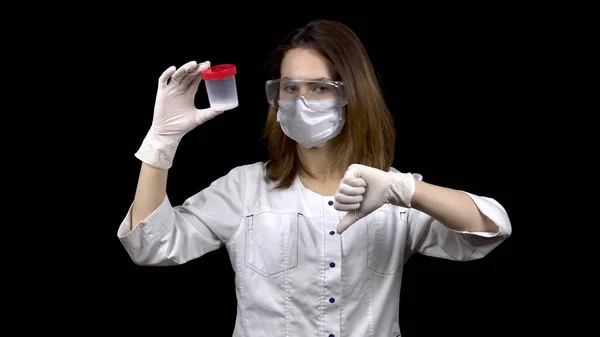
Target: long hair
x: 368, y: 136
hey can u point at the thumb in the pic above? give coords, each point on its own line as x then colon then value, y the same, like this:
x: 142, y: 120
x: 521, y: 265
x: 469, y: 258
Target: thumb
x: 203, y: 115
x: 348, y: 220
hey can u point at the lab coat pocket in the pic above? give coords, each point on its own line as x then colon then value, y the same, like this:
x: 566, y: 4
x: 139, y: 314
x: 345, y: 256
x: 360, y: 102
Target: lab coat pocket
x: 385, y: 247
x: 272, y: 243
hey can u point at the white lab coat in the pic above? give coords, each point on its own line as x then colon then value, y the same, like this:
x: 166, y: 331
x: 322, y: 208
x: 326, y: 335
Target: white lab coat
x: 294, y: 275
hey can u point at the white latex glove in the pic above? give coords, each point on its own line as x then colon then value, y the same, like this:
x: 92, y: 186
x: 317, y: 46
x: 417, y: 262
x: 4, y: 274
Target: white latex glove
x: 174, y: 114
x: 364, y: 189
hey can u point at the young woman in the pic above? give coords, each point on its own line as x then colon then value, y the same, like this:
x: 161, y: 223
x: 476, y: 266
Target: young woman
x: 318, y: 235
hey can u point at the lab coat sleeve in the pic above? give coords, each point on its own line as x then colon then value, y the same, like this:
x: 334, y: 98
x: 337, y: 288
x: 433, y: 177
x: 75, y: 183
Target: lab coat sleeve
x: 176, y: 235
x: 428, y: 236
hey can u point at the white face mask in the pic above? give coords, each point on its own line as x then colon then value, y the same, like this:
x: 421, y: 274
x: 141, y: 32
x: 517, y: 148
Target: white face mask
x: 308, y: 127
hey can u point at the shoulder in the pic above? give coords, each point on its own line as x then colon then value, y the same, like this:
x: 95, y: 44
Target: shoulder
x: 249, y: 174
x: 251, y: 171
x: 251, y: 182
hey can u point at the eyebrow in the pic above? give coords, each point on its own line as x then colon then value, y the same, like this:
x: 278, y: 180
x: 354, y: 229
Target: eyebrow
x: 311, y: 79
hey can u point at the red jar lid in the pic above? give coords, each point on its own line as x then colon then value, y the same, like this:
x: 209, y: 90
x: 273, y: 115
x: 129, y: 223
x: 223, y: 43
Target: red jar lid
x: 219, y: 72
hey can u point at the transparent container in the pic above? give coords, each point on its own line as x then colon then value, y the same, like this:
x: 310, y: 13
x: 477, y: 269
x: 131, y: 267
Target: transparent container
x: 220, y: 86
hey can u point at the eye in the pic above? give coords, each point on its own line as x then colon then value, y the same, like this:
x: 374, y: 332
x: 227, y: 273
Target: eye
x: 322, y: 88
x: 290, y: 88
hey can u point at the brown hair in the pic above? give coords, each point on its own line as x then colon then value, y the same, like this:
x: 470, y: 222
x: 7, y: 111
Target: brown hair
x: 368, y: 135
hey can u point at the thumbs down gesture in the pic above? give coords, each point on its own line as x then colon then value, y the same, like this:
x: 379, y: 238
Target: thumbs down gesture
x: 364, y: 189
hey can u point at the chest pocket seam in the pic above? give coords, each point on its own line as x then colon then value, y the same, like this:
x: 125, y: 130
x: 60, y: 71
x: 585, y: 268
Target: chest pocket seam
x: 385, y: 254
x: 272, y: 243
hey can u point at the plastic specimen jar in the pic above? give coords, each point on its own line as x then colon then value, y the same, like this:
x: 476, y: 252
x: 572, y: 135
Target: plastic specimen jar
x: 220, y: 86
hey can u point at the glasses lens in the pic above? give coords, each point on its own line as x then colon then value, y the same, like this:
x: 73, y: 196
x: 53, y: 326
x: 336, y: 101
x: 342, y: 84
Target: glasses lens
x: 317, y: 94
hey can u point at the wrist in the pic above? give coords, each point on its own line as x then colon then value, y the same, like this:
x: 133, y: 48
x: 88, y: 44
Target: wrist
x: 158, y: 151
x: 402, y: 189
x: 417, y: 195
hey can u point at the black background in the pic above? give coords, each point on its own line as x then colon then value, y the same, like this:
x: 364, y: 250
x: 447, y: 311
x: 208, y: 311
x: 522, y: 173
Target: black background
x: 451, y: 84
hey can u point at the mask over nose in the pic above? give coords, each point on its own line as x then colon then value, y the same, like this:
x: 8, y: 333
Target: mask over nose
x: 308, y: 127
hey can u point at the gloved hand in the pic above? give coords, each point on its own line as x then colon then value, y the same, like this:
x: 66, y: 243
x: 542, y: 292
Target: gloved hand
x: 364, y: 189
x: 174, y: 114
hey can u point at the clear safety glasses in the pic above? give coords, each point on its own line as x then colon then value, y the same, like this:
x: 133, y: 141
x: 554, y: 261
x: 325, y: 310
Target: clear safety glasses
x: 317, y: 94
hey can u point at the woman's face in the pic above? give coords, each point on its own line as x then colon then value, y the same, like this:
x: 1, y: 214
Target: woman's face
x: 305, y: 73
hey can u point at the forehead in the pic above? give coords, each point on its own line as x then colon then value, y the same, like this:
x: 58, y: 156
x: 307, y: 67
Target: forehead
x: 304, y: 64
